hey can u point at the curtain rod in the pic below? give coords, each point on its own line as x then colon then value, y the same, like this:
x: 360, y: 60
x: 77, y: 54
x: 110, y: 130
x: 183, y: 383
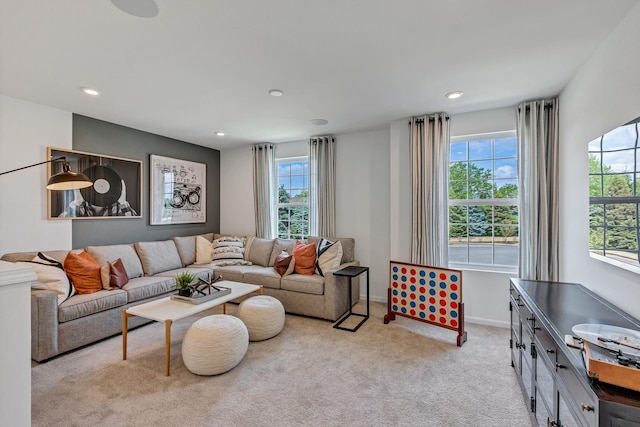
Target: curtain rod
x: 431, y: 119
x: 547, y: 104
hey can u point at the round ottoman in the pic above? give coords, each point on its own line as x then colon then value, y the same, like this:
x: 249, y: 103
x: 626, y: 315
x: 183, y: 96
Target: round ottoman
x: 214, y: 344
x: 263, y: 315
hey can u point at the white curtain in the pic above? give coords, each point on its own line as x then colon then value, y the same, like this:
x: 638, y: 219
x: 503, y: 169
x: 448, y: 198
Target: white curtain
x: 538, y: 182
x: 430, y: 193
x: 322, y: 186
x: 263, y: 189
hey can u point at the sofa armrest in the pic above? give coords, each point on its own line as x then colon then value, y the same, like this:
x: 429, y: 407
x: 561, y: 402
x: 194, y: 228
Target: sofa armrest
x: 44, y: 324
x: 336, y: 292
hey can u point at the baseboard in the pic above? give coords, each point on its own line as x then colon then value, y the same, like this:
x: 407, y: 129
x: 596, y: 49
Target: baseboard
x: 487, y: 322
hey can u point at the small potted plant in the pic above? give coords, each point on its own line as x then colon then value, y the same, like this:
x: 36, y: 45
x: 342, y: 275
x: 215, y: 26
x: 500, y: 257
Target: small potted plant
x: 183, y: 283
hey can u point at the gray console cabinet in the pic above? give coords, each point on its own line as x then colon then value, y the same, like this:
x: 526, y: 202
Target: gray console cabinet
x: 552, y: 375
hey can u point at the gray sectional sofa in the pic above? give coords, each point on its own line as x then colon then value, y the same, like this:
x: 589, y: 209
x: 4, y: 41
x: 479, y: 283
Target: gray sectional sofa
x: 152, y: 266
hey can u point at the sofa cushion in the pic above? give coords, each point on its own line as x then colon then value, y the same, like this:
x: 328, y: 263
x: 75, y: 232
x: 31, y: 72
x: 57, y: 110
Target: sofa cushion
x: 145, y: 287
x: 158, y: 256
x: 53, y: 278
x: 186, y: 247
x: 278, y: 246
x: 84, y: 272
x: 235, y: 272
x: 284, y: 264
x: 117, y: 274
x: 228, y: 248
x: 348, y: 247
x: 260, y: 251
x: 329, y: 255
x: 305, y: 283
x: 305, y: 255
x: 202, y: 272
x: 110, y: 253
x: 265, y: 276
x: 87, y: 304
x: 204, y: 251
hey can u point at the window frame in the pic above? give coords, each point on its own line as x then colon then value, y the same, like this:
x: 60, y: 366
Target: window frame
x: 278, y: 205
x: 495, y: 268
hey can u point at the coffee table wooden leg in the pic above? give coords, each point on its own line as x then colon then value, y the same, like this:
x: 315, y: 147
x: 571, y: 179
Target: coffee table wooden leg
x: 125, y: 328
x: 167, y: 351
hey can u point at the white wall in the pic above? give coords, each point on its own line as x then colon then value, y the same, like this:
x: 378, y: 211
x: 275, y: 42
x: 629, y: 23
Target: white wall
x: 26, y: 130
x: 604, y: 94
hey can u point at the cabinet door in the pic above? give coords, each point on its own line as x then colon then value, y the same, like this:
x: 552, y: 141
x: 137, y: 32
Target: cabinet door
x: 545, y: 389
x: 565, y: 417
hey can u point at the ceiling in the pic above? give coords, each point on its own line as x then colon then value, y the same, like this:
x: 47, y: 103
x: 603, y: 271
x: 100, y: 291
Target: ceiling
x: 199, y: 67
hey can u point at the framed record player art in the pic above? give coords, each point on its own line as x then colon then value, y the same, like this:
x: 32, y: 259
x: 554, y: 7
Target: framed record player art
x: 116, y: 190
x: 178, y: 191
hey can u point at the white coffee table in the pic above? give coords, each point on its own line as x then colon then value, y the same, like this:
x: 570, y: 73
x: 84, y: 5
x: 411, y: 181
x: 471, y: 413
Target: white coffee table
x: 168, y: 310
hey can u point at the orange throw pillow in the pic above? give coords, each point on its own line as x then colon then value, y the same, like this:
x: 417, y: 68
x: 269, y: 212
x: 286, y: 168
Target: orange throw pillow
x: 305, y: 256
x: 84, y: 272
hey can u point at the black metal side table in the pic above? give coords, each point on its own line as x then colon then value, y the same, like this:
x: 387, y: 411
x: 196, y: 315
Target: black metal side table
x: 351, y: 272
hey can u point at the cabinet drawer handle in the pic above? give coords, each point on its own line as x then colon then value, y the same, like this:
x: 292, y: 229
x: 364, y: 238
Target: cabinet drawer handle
x: 586, y: 407
x: 560, y: 366
x: 550, y: 351
x: 522, y: 346
x: 531, y: 319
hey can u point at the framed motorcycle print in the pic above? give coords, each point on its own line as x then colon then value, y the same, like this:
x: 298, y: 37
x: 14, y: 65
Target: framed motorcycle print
x: 178, y: 191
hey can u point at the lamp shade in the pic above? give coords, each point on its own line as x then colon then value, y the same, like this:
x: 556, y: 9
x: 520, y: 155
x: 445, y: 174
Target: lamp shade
x: 68, y: 180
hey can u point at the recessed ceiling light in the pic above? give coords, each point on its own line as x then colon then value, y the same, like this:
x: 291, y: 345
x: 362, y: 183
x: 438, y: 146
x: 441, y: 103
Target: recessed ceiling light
x: 276, y: 92
x: 454, y: 95
x: 319, y: 122
x: 220, y: 133
x: 90, y: 91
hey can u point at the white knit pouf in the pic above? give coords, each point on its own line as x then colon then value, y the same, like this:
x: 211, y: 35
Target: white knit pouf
x: 214, y: 344
x: 263, y: 315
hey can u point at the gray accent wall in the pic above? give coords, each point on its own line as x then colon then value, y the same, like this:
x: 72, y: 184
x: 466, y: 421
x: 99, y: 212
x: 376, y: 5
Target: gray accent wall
x: 100, y: 137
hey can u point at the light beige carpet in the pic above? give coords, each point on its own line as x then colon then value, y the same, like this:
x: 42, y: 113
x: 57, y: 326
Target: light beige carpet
x: 406, y: 373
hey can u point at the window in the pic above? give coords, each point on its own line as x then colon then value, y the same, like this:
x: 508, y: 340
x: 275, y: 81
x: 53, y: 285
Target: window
x: 293, y: 198
x: 483, y: 201
x: 614, y: 196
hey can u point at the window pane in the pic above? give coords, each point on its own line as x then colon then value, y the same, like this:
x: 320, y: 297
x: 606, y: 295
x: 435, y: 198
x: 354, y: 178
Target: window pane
x: 458, y: 151
x: 596, y: 239
x: 506, y: 215
x: 480, y: 149
x: 621, y: 238
x: 506, y: 168
x: 284, y: 181
x: 506, y: 189
x: 458, y: 190
x: 595, y: 145
x: 505, y: 147
x: 618, y: 161
x: 480, y: 252
x: 621, y: 137
x: 595, y: 186
x: 284, y: 168
x: 481, y: 169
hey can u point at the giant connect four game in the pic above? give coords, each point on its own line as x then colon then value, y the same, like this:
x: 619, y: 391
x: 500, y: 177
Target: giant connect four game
x: 428, y: 294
